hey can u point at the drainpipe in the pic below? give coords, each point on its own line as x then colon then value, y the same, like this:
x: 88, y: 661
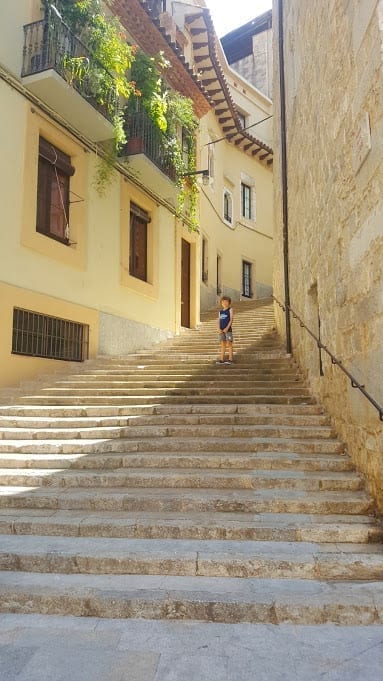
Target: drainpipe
x: 285, y: 222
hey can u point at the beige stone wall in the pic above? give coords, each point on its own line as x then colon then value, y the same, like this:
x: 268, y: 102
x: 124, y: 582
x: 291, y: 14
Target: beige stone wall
x: 257, y: 67
x: 334, y: 89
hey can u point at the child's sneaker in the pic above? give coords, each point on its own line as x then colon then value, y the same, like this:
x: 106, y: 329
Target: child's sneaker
x: 220, y: 361
x: 228, y: 361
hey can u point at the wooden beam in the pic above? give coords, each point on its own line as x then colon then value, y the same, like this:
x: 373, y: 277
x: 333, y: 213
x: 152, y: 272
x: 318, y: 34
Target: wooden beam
x: 214, y: 92
x: 256, y: 151
x: 226, y: 128
x: 190, y: 18
x: 208, y: 81
x: 198, y: 31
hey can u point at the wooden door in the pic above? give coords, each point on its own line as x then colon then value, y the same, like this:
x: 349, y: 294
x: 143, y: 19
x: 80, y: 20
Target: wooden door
x: 185, y: 283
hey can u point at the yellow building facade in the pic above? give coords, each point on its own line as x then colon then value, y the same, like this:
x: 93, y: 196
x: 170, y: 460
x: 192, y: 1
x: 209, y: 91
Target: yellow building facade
x: 74, y: 292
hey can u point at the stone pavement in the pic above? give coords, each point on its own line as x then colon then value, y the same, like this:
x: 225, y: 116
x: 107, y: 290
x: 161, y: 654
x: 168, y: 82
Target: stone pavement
x: 53, y: 648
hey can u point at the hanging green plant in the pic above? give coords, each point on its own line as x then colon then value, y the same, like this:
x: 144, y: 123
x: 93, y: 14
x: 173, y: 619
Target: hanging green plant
x: 182, y: 127
x: 102, y: 75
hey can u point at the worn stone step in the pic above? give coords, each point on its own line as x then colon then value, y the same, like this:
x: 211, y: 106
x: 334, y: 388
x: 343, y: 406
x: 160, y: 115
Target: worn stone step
x: 211, y: 599
x: 168, y: 443
x: 158, y: 431
x: 194, y: 558
x: 180, y: 479
x: 95, y: 421
x: 221, y: 410
x: 288, y: 527
x: 211, y: 370
x: 161, y: 460
x: 185, y: 391
x: 185, y: 500
x: 200, y: 382
x: 153, y: 400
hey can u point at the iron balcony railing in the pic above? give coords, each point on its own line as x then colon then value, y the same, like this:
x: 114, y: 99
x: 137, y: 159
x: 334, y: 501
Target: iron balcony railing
x: 145, y: 138
x: 50, y: 44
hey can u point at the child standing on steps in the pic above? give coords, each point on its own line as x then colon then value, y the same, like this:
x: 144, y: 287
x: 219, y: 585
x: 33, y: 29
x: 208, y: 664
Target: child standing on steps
x: 225, y: 321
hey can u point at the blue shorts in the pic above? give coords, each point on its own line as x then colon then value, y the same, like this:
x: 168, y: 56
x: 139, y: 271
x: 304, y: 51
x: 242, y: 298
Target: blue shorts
x: 226, y: 336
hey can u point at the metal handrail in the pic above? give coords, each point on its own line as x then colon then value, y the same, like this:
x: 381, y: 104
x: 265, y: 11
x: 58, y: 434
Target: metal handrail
x: 334, y: 360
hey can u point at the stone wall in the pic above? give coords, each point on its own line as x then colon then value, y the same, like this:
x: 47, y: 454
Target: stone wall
x: 334, y: 109
x: 257, y: 67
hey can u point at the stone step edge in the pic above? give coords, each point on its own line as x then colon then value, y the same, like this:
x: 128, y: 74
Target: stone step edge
x: 209, y: 599
x: 267, y: 527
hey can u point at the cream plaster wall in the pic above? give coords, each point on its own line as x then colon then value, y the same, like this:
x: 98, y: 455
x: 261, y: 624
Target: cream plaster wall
x: 250, y: 240
x: 334, y: 89
x: 16, y: 368
x: 87, y: 272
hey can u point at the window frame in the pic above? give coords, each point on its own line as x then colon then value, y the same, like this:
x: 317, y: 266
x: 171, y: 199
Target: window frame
x: 242, y: 117
x: 228, y: 194
x: 246, y: 201
x: 138, y: 232
x: 53, y: 177
x: 247, y: 284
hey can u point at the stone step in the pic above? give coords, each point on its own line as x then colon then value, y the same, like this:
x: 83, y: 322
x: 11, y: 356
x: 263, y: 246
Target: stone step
x: 278, y: 420
x: 193, y: 558
x: 211, y: 599
x: 174, y: 478
x: 288, y: 527
x: 161, y: 460
x: 157, y: 431
x: 153, y: 400
x: 256, y: 370
x: 183, y: 390
x: 172, y: 444
x: 221, y: 410
x: 185, y: 500
x: 252, y: 360
x: 201, y: 382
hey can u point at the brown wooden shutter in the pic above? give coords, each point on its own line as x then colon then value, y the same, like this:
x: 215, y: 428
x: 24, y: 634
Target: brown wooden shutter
x: 138, y: 247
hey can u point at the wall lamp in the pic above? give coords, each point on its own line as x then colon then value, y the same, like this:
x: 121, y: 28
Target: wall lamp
x: 204, y: 173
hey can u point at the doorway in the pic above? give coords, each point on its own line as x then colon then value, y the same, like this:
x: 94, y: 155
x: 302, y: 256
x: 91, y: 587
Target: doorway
x: 185, y: 283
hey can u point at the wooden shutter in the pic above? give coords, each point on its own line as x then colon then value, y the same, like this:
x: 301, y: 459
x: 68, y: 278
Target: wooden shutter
x: 138, y: 247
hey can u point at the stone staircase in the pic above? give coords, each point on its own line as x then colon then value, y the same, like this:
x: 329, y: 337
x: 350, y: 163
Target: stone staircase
x: 163, y: 485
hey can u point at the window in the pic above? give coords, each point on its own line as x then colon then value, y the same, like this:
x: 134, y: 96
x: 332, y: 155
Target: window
x: 204, y: 263
x: 54, y: 173
x: 227, y: 206
x: 246, y: 208
x: 246, y: 279
x: 38, y: 335
x: 138, y: 253
x: 242, y: 119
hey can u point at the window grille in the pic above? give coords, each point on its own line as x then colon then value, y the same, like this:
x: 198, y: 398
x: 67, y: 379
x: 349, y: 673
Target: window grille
x: 38, y: 335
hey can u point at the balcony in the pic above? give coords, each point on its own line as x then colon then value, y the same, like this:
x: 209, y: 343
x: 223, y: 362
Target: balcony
x: 60, y: 70
x: 149, y: 151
